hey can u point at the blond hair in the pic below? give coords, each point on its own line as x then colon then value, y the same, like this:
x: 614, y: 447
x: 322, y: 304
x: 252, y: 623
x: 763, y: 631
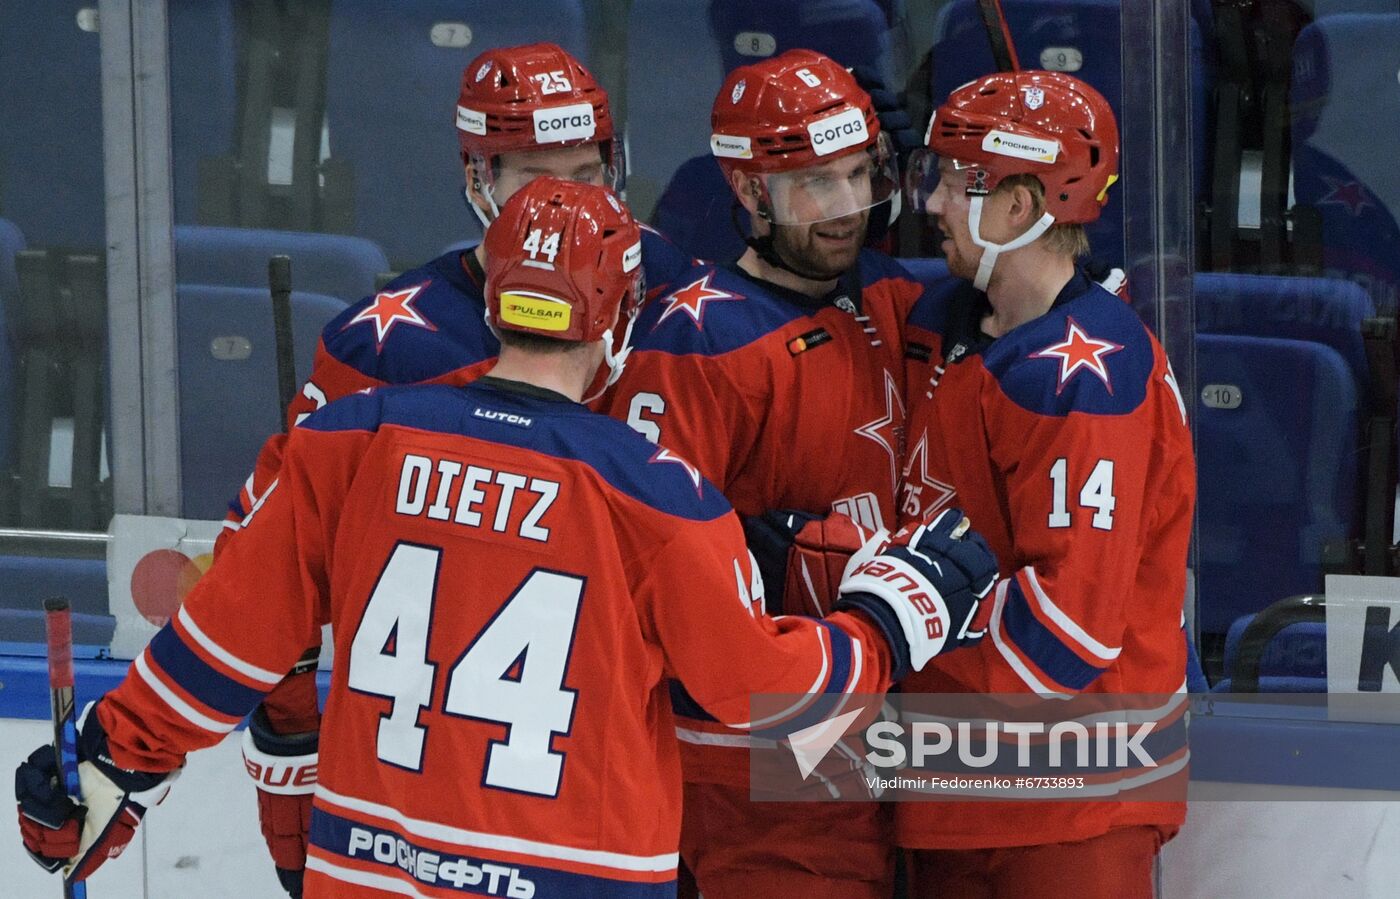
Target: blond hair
x: 1068, y: 239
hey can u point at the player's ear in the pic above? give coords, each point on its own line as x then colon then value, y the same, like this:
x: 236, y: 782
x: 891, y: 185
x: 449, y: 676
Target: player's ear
x: 1021, y: 211
x: 748, y: 188
x: 475, y: 184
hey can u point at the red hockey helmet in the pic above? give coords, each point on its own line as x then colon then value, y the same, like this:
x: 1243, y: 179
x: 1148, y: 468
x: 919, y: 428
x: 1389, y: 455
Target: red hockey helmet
x: 796, y: 111
x: 531, y: 97
x: 536, y: 95
x: 1046, y: 124
x: 561, y: 259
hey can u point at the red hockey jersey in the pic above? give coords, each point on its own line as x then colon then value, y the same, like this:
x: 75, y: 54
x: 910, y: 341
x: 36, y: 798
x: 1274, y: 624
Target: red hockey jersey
x: 427, y: 326
x: 510, y: 578
x: 1065, y: 441
x: 783, y: 401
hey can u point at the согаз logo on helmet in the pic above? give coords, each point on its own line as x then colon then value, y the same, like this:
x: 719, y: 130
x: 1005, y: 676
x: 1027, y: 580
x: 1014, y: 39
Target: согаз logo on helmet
x: 564, y: 123
x: 837, y: 132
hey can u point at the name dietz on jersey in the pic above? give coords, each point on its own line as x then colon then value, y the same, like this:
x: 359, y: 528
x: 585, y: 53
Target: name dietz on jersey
x: 475, y: 496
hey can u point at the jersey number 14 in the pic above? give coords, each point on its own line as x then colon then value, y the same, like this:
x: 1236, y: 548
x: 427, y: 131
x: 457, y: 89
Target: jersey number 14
x: 512, y: 673
x: 1096, y: 494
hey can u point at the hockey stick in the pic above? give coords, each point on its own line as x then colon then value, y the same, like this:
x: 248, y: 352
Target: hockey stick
x: 279, y: 280
x: 58, y: 628
x: 999, y: 35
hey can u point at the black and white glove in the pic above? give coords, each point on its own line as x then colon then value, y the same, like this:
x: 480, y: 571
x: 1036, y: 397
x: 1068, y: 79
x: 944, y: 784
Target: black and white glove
x: 926, y: 589
x: 58, y: 832
x: 802, y: 557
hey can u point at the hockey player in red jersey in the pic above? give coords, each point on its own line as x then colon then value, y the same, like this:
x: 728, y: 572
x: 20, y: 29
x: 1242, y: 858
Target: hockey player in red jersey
x: 522, y: 112
x: 782, y: 378
x: 1041, y: 404
x: 510, y: 577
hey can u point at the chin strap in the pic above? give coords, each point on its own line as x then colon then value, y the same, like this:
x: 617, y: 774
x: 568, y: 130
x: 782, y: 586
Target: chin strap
x: 615, y: 361
x: 476, y: 210
x: 990, y: 251
x: 763, y: 246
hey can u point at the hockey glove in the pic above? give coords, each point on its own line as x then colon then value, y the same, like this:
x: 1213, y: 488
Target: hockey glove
x: 801, y: 557
x: 926, y: 589
x: 59, y: 832
x: 284, y: 768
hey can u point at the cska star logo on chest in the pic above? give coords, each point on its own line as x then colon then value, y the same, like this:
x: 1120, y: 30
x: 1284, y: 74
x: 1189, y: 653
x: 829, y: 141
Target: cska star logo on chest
x: 923, y: 493
x: 390, y: 308
x: 691, y: 300
x: 888, y: 429
x: 1080, y: 352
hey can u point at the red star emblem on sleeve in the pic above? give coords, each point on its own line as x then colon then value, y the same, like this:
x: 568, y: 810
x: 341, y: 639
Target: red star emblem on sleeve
x: 388, y: 309
x: 1350, y: 194
x: 1078, y: 351
x: 888, y: 429
x: 665, y: 455
x: 691, y: 300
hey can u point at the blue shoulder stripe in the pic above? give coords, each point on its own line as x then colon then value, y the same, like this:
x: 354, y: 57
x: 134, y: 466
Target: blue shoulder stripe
x: 206, y: 684
x: 710, y: 311
x: 621, y: 456
x: 1090, y: 354
x: 427, y: 322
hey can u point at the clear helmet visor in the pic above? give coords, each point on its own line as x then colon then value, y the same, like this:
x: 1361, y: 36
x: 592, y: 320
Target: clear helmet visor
x: 830, y: 190
x: 926, y: 170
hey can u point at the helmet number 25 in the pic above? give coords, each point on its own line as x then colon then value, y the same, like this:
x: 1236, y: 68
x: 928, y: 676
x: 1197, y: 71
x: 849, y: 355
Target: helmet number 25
x: 536, y: 244
x: 555, y: 82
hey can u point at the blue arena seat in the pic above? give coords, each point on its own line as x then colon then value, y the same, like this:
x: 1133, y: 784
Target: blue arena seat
x: 1295, y: 661
x: 336, y: 265
x: 228, y: 384
x: 1277, y: 432
x: 1051, y: 34
x: 677, y: 95
x: 51, y: 168
x: 204, y: 55
x: 391, y: 87
x: 696, y: 208
x: 1345, y: 147
x: 1323, y: 310
x: 51, y: 122
x: 852, y: 32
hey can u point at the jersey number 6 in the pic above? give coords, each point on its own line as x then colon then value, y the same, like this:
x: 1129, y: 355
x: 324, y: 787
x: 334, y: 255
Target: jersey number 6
x: 534, y: 626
